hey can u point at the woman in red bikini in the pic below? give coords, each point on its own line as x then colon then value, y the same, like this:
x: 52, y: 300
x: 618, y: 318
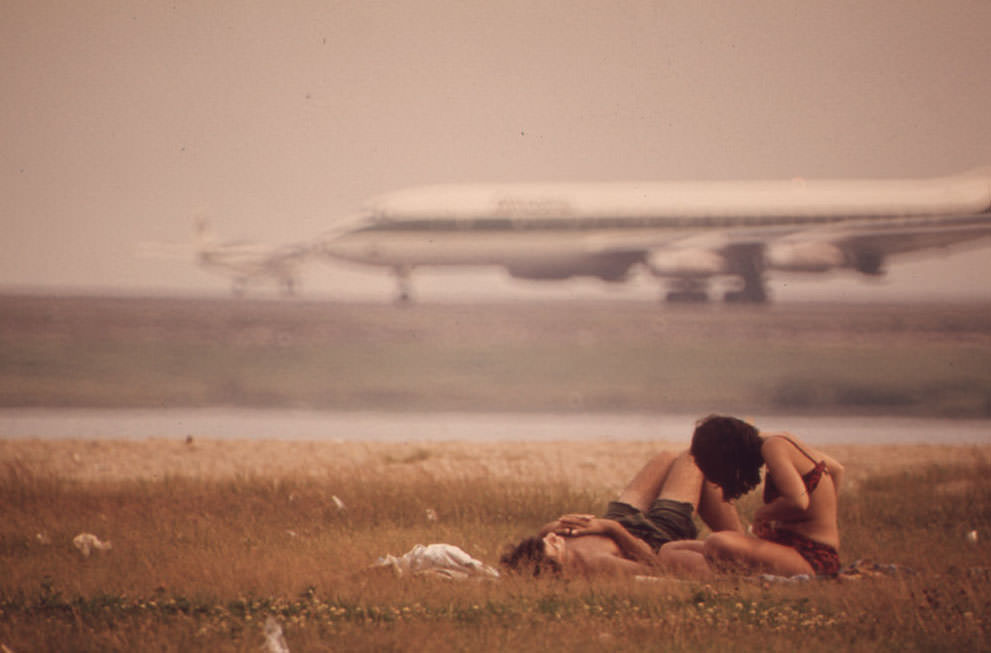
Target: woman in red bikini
x: 796, y: 530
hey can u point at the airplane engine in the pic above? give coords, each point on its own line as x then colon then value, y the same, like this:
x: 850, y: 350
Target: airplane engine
x: 613, y: 268
x: 868, y: 262
x: 687, y: 263
x: 537, y: 273
x: 804, y: 257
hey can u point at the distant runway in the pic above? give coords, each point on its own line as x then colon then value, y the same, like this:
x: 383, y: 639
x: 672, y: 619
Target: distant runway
x: 288, y: 425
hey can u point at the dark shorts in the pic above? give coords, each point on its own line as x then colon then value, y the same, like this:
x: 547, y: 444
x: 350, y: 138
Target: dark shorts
x: 824, y: 559
x: 665, y: 521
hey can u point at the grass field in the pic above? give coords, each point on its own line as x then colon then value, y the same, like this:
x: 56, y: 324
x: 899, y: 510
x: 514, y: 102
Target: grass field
x: 200, y: 562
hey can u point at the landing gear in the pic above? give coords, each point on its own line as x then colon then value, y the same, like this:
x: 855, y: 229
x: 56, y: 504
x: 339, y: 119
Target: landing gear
x: 404, y: 294
x: 753, y: 296
x: 752, y: 292
x: 749, y: 294
x: 682, y: 297
x: 687, y: 291
x: 748, y: 264
x: 744, y: 261
x: 868, y: 262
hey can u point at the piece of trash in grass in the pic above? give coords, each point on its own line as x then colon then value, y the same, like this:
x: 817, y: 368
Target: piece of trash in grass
x: 87, y: 542
x: 431, y: 514
x: 439, y: 561
x: 275, y: 642
x: 337, y: 502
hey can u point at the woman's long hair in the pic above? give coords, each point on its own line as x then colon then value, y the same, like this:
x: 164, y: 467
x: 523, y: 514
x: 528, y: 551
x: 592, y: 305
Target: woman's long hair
x: 727, y: 450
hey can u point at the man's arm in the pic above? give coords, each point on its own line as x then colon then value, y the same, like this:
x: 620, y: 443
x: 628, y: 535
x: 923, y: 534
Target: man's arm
x: 717, y: 513
x: 632, y: 548
x: 608, y: 564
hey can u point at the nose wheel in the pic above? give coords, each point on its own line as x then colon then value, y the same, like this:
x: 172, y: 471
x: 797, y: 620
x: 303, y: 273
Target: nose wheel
x: 404, y: 288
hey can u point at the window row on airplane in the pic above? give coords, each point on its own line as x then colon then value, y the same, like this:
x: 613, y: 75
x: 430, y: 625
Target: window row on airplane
x: 598, y: 223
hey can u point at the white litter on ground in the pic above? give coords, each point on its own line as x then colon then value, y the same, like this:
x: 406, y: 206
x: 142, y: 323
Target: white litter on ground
x: 440, y: 560
x: 275, y: 642
x: 87, y: 542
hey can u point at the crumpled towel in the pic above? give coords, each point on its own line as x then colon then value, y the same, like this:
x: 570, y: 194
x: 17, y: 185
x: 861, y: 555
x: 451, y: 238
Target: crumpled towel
x: 788, y: 580
x: 856, y: 570
x: 865, y: 568
x: 440, y: 560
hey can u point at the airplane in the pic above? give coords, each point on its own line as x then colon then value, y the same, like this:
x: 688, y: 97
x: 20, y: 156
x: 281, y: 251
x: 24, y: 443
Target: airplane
x: 250, y: 263
x: 685, y: 233
x: 246, y: 263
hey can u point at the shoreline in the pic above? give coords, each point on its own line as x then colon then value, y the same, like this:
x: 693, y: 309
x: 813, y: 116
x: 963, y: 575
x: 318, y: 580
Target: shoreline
x: 288, y: 425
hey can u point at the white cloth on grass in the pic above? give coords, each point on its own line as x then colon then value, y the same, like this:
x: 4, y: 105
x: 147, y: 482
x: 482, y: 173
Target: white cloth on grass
x: 441, y: 560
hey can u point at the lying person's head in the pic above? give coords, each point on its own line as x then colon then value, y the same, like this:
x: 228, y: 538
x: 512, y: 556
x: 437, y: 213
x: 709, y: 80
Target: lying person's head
x: 727, y: 450
x: 535, y: 556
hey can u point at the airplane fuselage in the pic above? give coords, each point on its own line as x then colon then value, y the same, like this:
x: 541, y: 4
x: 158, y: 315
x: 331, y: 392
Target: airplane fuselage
x: 678, y: 229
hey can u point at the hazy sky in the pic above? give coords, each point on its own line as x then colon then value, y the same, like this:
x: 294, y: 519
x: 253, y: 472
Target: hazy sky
x: 120, y: 121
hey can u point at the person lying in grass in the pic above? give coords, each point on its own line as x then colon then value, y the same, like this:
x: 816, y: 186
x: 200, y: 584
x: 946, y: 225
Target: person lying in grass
x: 655, y: 508
x: 795, y: 532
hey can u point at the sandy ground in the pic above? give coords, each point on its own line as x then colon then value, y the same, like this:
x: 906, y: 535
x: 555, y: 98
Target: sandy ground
x: 605, y: 465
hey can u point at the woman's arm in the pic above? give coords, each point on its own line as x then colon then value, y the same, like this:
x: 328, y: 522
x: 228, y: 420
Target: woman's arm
x: 794, y: 499
x: 781, y: 509
x: 835, y: 470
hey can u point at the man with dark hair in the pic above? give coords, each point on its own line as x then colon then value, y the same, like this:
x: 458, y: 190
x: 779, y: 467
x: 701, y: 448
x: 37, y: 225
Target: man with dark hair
x: 654, y: 509
x: 728, y: 451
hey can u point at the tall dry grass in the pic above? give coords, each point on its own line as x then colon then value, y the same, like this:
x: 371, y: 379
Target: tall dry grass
x: 198, y: 564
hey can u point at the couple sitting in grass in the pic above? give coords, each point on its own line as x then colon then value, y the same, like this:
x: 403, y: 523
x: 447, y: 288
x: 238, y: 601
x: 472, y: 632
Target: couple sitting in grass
x: 649, y: 528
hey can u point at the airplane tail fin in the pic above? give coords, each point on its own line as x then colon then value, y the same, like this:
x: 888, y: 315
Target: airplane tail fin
x: 163, y: 250
x: 202, y: 240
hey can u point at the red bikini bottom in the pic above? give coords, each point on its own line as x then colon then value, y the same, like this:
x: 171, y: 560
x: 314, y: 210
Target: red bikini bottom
x: 824, y: 559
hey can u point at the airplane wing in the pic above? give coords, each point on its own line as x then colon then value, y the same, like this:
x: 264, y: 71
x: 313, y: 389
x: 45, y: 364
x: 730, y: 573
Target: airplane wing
x: 900, y: 240
x: 243, y: 262
x: 254, y: 256
x: 246, y: 263
x: 864, y: 247
x: 689, y: 259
